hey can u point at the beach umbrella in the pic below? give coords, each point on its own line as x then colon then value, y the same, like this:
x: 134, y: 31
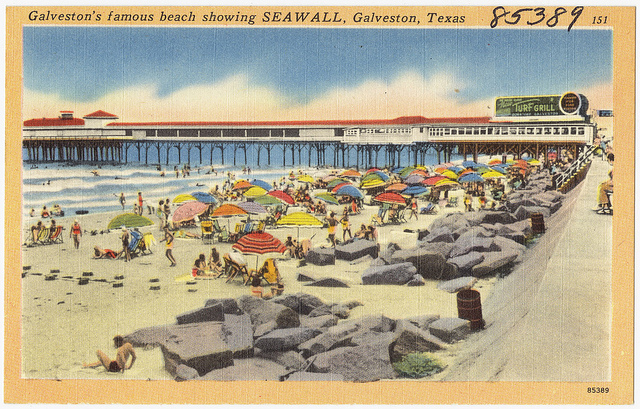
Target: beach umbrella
x: 228, y: 210
x: 420, y: 172
x: 267, y: 200
x: 329, y: 178
x: 493, y: 174
x: 391, y: 198
x: 305, y: 179
x: 450, y: 174
x: 262, y: 184
x: 520, y: 165
x: 351, y: 173
x: 349, y: 190
x: 188, y: 211
x: 129, y: 220
x: 433, y: 180
x: 371, y: 183
x: 204, y: 197
x: 406, y: 171
x: 468, y: 164
x: 415, y: 190
x: 327, y: 197
x: 241, y: 184
x: 414, y: 179
x: 282, y: 196
x: 379, y: 173
x: 534, y: 162
x: 183, y: 198
x: 255, y: 191
x: 446, y: 182
x: 499, y: 169
x: 447, y: 164
x: 470, y: 178
x: 456, y: 169
x: 299, y: 219
x: 335, y: 182
x: 337, y: 187
x: 259, y: 243
x: 372, y: 170
x: 465, y: 172
x: 494, y: 162
x: 396, y: 187
x: 252, y: 207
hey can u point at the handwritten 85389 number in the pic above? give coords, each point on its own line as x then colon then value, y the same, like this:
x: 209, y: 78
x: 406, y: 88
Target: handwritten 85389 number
x: 534, y: 16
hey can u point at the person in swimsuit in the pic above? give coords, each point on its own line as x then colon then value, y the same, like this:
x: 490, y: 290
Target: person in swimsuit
x: 99, y: 252
x: 125, y: 244
x: 122, y: 200
x: 168, y: 237
x: 76, y: 232
x: 140, y: 208
x: 124, y: 350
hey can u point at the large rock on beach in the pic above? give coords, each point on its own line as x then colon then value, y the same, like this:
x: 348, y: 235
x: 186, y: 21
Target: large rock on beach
x: 200, y: 346
x: 285, y: 339
x: 301, y: 303
x: 314, y: 376
x: 493, y: 261
x: 470, y: 243
x: 328, y: 282
x: 252, y: 369
x: 476, y: 231
x: 363, y: 363
x: 525, y: 212
x: 357, y: 249
x: 229, y: 305
x: 423, y: 321
x: 262, y: 311
x: 337, y: 336
x: 453, y: 221
x: 321, y: 256
x: 409, y: 338
x: 239, y: 335
x: 437, y: 247
x: 450, y: 329
x: 396, y: 274
x: 321, y: 322
x: 429, y: 264
x: 291, y: 360
x: 441, y: 234
x: 212, y: 312
x: 388, y: 251
x: 497, y: 217
x: 416, y: 281
x: 466, y: 262
x: 459, y: 284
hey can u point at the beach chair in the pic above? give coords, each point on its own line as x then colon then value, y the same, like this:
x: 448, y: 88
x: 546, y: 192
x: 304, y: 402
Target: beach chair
x: 43, y: 236
x: 268, y: 272
x: 233, y: 268
x: 56, y: 235
x: 429, y: 209
x: 400, y: 217
x: 134, y: 242
x: 147, y: 241
x: 259, y: 228
x: 452, y: 202
x: 207, y: 231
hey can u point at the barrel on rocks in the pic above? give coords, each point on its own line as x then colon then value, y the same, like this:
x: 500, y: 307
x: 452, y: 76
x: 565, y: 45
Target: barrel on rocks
x: 537, y: 223
x: 470, y: 308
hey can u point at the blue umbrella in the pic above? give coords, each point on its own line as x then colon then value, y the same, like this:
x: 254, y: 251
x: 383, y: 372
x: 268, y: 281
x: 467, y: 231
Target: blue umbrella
x: 468, y: 164
x: 414, y: 190
x: 456, y: 169
x: 349, y: 190
x: 262, y: 184
x: 499, y: 169
x: 470, y: 177
x: 204, y: 197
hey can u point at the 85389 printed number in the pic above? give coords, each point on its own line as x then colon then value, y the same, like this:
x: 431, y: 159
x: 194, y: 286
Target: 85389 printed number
x: 596, y: 389
x: 534, y: 16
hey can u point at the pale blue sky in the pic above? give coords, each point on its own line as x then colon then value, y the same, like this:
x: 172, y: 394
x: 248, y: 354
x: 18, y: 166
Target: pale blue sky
x: 85, y: 63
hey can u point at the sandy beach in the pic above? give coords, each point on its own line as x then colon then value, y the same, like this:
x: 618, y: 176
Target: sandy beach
x: 64, y: 323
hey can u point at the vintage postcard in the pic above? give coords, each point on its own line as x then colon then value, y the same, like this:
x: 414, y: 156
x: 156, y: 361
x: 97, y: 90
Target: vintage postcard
x: 319, y: 205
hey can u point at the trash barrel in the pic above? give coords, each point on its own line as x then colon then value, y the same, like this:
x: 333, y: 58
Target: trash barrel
x: 470, y: 308
x: 537, y: 223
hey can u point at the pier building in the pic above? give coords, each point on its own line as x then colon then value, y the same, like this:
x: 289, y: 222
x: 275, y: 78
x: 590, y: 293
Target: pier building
x: 532, y: 125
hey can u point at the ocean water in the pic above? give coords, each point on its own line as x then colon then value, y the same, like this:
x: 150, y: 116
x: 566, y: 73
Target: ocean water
x: 74, y: 187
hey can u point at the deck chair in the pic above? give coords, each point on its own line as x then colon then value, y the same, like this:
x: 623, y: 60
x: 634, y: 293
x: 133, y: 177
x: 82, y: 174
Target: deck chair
x: 259, y: 227
x: 134, y: 243
x: 43, y: 236
x: 400, y: 217
x: 147, y: 241
x: 56, y: 236
x: 207, y: 231
x: 429, y: 209
x: 233, y: 268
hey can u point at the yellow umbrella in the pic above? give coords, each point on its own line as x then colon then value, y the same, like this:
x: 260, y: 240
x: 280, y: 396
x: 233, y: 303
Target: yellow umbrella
x: 299, y: 219
x: 446, y: 182
x: 492, y: 174
x: 255, y: 191
x: 534, y: 162
x: 305, y: 178
x: 371, y: 183
x: 450, y: 174
x: 183, y: 198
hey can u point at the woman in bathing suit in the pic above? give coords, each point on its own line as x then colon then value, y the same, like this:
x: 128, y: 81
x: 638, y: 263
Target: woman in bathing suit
x: 119, y: 364
x: 168, y: 237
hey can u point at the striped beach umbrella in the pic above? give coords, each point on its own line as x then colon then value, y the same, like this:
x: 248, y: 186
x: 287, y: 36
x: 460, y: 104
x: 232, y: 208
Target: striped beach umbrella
x: 183, y: 198
x: 327, y: 197
x: 255, y: 191
x: 306, y: 179
x: 391, y: 198
x: 282, y: 196
x: 267, y: 200
x: 372, y: 183
x: 252, y: 207
x: 299, y: 219
x: 415, y: 190
x: 433, y: 180
x: 349, y: 190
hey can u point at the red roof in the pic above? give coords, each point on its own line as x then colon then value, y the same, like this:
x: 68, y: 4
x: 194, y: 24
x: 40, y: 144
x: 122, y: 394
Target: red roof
x: 100, y: 114
x: 403, y: 120
x: 54, y: 122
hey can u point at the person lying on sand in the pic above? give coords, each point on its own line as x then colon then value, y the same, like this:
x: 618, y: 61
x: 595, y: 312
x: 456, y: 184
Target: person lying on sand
x: 125, y: 350
x: 99, y: 252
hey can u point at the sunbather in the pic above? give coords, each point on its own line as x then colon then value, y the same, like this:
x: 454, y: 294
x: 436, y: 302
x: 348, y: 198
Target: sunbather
x: 119, y: 364
x: 99, y: 252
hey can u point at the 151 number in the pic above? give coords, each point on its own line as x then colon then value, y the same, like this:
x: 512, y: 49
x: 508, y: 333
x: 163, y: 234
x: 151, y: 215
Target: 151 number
x: 535, y: 16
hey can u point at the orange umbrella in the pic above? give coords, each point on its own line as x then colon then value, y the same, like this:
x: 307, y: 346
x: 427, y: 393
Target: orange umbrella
x: 396, y: 187
x: 228, y: 210
x: 351, y: 173
x: 242, y: 184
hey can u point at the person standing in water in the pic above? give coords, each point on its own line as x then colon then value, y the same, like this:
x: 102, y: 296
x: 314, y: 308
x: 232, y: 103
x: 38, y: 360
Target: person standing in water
x: 122, y: 200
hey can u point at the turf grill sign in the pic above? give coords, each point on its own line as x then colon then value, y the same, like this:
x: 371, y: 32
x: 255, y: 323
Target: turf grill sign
x: 543, y: 105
